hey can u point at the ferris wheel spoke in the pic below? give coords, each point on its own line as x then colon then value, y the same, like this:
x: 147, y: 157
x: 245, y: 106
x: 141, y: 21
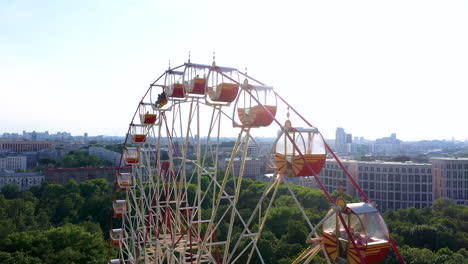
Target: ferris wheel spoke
x: 245, y: 225
x: 273, y: 186
x: 236, y: 194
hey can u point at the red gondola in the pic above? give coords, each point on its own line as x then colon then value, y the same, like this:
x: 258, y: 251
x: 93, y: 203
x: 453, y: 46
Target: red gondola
x: 223, y: 85
x: 173, y: 85
x: 148, y: 114
x: 256, y: 105
x: 195, y: 79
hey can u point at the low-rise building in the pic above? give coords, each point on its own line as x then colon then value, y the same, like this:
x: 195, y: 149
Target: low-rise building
x: 24, y: 180
x: 81, y: 174
x: 105, y: 154
x: 13, y: 163
x: 20, y: 146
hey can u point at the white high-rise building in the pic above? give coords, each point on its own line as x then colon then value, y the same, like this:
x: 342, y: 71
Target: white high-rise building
x: 340, y: 140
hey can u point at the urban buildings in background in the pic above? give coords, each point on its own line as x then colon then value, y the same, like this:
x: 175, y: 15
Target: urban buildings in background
x: 428, y: 171
x: 59, y: 136
x: 395, y: 185
x: 20, y: 155
x: 387, y: 146
x: 346, y: 145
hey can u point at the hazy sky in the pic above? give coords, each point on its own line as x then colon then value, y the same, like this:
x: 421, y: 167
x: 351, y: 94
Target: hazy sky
x: 371, y: 67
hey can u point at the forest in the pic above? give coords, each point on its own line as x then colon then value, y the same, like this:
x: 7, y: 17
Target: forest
x: 69, y: 224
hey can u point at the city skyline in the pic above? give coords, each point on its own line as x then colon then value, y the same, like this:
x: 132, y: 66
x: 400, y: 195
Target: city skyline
x: 54, y: 134
x: 378, y: 68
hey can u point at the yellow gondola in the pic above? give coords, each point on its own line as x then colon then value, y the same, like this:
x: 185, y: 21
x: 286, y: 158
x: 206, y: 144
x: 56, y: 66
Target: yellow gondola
x: 311, y: 145
x: 368, y: 231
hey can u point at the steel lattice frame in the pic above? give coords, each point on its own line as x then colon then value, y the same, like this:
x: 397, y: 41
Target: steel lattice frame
x: 180, y: 207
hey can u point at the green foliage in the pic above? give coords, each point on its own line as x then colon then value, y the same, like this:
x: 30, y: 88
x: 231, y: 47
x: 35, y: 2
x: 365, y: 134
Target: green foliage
x: 10, y: 191
x: 56, y: 223
x: 81, y: 159
x: 65, y: 244
x: 115, y: 147
x: 63, y: 224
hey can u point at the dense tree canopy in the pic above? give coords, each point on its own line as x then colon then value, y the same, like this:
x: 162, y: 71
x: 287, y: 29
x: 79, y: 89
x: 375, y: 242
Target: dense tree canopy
x: 69, y: 224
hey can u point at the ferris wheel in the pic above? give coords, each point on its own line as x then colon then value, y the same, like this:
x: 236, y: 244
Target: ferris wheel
x: 177, y: 190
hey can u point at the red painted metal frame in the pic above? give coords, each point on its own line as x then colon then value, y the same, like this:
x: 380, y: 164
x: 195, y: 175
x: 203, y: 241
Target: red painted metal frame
x: 308, y: 166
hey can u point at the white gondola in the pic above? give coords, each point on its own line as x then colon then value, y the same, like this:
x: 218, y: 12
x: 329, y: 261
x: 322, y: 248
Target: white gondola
x: 223, y: 85
x: 116, y: 236
x: 131, y: 155
x: 195, y: 79
x: 138, y: 133
x: 120, y: 207
x: 124, y: 180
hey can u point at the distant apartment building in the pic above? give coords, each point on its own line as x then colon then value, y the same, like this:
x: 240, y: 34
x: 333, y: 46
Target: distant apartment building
x: 24, y: 180
x: 21, y: 146
x: 394, y: 185
x: 64, y: 175
x: 451, y: 178
x: 253, y: 168
x: 13, y: 163
x: 52, y: 154
x: 105, y: 154
x: 334, y: 178
x: 391, y: 185
x: 260, y: 149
